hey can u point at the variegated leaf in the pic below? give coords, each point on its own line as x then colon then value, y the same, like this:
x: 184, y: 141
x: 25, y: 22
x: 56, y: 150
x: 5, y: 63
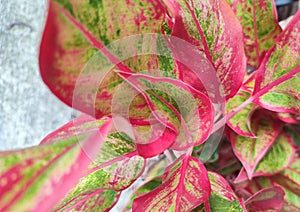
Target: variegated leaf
x: 222, y: 197
x: 240, y: 122
x: 284, y: 152
x: 268, y: 199
x: 180, y: 107
x: 37, y: 178
x: 289, y: 179
x: 213, y: 28
x: 76, y: 31
x: 260, y: 27
x: 280, y: 155
x: 277, y: 84
x: 115, y: 167
x: 185, y: 185
x: 288, y: 118
x: 249, y: 83
x: 251, y: 150
x: 144, y: 189
x: 100, y: 201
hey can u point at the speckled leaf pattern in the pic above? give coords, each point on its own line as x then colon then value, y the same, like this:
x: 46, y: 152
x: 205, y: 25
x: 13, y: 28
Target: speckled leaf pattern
x: 100, y: 201
x: 222, y: 197
x: 38, y: 178
x: 284, y: 152
x: 289, y: 179
x: 115, y: 167
x: 144, y: 189
x: 251, y: 150
x: 277, y: 84
x: 240, y: 121
x: 217, y: 33
x: 268, y: 199
x: 260, y: 27
x: 76, y: 31
x: 178, y: 106
x: 185, y: 186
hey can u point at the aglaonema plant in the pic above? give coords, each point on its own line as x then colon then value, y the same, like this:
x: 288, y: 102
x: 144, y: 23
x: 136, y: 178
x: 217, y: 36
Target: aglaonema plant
x: 167, y: 97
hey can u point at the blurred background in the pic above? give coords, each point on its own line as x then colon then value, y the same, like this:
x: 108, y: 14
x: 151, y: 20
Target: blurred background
x: 28, y: 111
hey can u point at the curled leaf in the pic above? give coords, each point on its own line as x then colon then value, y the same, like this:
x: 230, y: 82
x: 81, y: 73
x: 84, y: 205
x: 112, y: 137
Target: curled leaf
x: 251, y: 150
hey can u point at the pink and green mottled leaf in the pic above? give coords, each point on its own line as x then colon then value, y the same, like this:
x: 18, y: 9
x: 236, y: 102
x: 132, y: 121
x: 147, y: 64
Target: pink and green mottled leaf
x: 213, y: 28
x: 144, y: 189
x: 101, y: 201
x: 251, y: 150
x: 284, y: 152
x: 249, y: 83
x: 37, y: 178
x: 289, y: 179
x: 76, y: 31
x: 288, y: 118
x: 115, y: 167
x: 278, y: 79
x: 268, y: 199
x: 222, y: 197
x: 178, y: 106
x: 260, y: 27
x: 240, y: 122
x: 185, y: 186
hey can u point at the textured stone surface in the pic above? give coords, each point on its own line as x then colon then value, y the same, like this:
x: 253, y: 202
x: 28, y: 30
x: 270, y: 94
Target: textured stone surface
x: 28, y: 111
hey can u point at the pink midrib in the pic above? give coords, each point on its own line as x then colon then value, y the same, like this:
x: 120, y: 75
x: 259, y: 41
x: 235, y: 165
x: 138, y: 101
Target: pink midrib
x: 33, y: 179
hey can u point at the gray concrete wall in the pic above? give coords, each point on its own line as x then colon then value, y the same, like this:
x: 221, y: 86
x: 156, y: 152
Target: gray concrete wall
x: 28, y: 111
